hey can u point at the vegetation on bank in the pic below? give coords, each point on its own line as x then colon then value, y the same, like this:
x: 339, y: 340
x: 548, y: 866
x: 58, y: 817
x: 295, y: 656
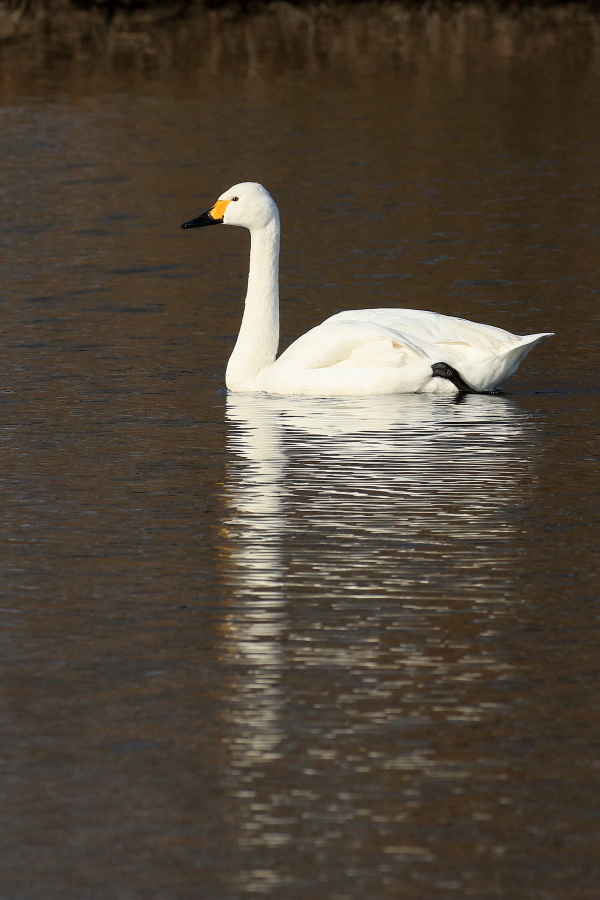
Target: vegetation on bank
x: 257, y: 37
x: 183, y: 7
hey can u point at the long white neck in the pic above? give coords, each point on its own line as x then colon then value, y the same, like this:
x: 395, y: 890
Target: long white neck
x: 256, y: 346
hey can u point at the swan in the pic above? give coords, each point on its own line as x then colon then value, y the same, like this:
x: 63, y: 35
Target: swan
x: 357, y: 353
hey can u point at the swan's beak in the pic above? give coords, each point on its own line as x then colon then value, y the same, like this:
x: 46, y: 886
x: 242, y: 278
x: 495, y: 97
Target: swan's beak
x: 213, y: 216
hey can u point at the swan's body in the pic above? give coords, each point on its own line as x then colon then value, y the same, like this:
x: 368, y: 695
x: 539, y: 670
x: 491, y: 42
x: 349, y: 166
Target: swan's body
x: 355, y: 353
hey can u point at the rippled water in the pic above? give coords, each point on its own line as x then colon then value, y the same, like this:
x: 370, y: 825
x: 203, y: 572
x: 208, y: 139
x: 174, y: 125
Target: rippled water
x: 287, y: 647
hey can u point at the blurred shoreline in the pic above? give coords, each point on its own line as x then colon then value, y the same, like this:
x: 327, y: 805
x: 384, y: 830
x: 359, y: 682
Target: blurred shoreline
x: 356, y: 38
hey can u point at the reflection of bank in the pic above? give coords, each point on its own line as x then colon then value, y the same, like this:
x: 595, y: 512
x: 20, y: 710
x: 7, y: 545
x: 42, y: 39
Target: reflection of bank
x: 403, y: 503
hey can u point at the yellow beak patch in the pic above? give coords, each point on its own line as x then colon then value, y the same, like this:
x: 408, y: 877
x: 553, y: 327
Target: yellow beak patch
x: 218, y: 210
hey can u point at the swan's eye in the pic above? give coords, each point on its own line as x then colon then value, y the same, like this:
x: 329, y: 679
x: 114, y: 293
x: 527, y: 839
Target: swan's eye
x: 235, y: 198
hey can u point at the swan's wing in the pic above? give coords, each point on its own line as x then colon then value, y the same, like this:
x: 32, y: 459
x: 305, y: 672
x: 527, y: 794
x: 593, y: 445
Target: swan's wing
x: 434, y: 328
x: 484, y: 355
x: 339, y: 341
x: 402, y: 345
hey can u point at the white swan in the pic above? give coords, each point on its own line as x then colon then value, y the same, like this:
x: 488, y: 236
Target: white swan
x: 355, y: 353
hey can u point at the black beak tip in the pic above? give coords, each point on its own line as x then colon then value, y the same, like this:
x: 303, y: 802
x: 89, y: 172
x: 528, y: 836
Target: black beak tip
x: 202, y: 221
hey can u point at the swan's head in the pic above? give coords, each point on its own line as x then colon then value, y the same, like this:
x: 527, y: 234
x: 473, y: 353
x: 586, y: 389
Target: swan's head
x: 247, y: 204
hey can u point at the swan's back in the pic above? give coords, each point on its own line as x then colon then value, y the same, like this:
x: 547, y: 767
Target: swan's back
x: 484, y: 355
x: 434, y: 328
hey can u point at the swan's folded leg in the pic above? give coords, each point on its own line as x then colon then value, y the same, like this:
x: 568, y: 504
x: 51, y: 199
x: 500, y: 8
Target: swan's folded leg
x: 443, y: 370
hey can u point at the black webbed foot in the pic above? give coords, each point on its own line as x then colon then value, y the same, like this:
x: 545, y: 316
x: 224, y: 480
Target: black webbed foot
x: 443, y: 370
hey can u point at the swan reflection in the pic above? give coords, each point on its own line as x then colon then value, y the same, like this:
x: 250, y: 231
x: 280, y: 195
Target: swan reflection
x: 377, y: 477
x: 346, y: 520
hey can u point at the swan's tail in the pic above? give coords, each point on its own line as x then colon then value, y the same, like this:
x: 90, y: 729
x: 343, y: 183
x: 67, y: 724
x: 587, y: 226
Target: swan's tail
x: 516, y: 354
x: 509, y: 360
x: 490, y: 374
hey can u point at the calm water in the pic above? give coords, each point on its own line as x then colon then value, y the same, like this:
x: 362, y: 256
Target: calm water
x: 298, y: 649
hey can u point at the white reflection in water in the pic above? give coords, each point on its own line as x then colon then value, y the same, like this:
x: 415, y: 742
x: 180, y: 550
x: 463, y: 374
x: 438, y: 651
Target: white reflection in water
x: 399, y: 503
x: 366, y: 474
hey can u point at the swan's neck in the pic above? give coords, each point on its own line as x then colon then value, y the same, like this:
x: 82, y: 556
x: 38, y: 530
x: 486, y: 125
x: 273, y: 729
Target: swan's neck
x: 256, y: 346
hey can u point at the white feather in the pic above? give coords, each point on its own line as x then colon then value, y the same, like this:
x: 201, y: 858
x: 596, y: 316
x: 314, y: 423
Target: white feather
x: 358, y: 352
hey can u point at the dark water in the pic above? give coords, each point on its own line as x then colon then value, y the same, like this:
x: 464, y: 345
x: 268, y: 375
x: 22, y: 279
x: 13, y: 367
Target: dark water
x: 298, y: 648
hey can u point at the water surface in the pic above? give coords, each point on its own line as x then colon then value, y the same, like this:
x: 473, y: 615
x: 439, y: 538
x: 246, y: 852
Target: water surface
x: 284, y: 647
